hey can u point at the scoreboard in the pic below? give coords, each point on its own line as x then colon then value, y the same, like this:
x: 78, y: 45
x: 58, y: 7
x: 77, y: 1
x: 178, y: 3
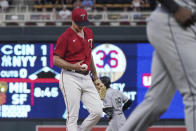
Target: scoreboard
x: 29, y: 81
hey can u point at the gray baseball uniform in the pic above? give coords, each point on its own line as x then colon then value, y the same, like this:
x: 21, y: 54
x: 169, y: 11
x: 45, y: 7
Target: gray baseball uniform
x: 173, y: 68
x: 114, y: 98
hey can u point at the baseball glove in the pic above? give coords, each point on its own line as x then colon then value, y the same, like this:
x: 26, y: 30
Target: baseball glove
x: 100, y: 88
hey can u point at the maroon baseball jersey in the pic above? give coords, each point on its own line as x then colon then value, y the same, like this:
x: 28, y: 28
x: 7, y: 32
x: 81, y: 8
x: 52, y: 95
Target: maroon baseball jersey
x: 73, y: 48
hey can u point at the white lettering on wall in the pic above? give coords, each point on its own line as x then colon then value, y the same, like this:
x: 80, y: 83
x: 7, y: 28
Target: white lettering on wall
x: 18, y: 49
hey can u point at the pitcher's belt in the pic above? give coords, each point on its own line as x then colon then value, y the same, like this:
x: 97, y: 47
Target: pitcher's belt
x: 80, y: 72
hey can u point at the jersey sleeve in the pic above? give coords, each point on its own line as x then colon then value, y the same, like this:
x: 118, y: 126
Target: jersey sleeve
x: 93, y: 45
x: 61, y: 46
x: 91, y: 36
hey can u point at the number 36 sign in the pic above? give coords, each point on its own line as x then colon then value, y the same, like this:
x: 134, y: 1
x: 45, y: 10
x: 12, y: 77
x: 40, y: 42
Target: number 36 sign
x: 109, y: 60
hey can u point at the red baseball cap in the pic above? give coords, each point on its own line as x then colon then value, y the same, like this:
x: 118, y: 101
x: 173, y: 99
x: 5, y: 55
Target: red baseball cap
x: 80, y: 17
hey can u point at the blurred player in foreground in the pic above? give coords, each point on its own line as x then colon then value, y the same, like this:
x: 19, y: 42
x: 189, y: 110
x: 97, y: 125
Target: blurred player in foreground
x: 171, y: 30
x: 115, y: 102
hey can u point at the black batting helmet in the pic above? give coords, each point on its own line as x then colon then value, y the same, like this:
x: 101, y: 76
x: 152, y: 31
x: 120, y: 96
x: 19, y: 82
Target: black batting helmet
x: 106, y: 81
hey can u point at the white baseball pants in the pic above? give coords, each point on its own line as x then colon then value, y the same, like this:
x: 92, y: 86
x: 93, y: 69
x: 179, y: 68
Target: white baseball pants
x: 77, y: 87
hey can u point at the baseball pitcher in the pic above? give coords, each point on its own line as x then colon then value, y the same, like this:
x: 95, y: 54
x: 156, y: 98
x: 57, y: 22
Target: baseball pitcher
x: 73, y: 55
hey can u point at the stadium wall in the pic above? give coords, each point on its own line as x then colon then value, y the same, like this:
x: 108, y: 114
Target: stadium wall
x: 50, y: 34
